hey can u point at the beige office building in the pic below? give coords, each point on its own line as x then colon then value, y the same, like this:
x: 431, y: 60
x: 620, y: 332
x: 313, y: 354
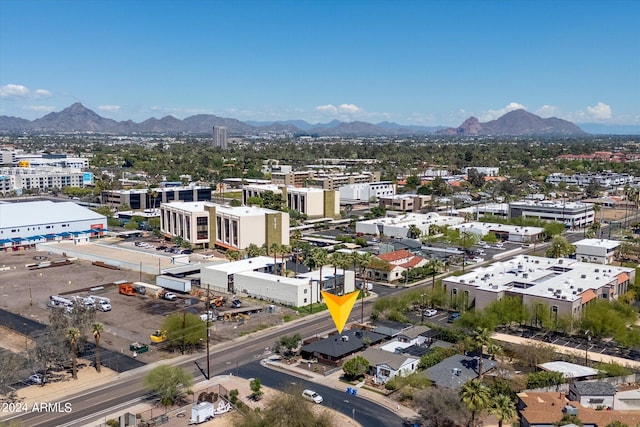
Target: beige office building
x: 313, y: 202
x: 207, y: 224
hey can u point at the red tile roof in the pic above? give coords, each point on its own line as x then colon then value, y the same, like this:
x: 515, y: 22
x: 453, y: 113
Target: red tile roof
x: 395, y: 256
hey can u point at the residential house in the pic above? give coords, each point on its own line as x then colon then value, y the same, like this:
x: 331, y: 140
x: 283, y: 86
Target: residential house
x: 395, y: 263
x: 596, y: 394
x: 457, y: 370
x: 384, y: 365
x: 335, y: 348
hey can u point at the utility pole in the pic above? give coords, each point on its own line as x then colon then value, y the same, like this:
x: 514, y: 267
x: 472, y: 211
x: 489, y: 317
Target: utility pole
x: 208, y: 307
x: 311, y: 296
x: 362, y: 290
x: 184, y: 321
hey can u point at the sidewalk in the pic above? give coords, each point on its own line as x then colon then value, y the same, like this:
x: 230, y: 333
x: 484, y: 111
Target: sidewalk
x: 334, y: 382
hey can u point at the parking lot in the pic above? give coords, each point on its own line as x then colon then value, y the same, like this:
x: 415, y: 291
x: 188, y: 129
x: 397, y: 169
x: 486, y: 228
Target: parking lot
x: 26, y: 292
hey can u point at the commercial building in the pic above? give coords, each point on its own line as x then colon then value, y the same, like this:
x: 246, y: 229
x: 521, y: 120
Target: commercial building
x: 406, y: 202
x: 599, y: 251
x: 366, y: 192
x: 51, y: 160
x: 313, y: 202
x: 562, y: 286
x: 27, y: 223
x: 209, y: 225
x: 510, y: 233
x: 488, y: 171
x: 259, y: 277
x: 220, y: 137
x: 500, y: 210
x: 142, y: 199
x: 572, y: 214
x: 399, y: 226
x: 605, y: 180
x: 327, y: 181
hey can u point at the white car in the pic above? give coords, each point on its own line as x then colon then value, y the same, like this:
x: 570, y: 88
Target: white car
x: 312, y: 396
x: 103, y: 306
x: 35, y: 379
x: 430, y: 312
x: 170, y: 296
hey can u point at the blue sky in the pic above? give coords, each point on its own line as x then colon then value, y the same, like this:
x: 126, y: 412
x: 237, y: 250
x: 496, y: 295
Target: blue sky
x: 407, y: 61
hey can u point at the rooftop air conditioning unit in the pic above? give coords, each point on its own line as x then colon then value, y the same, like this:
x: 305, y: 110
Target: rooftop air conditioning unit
x: 344, y: 338
x: 583, y: 276
x: 597, y: 270
x: 560, y: 261
x: 564, y: 297
x: 579, y: 289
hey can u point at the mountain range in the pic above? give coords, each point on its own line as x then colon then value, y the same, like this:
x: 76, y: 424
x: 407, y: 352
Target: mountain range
x: 78, y: 118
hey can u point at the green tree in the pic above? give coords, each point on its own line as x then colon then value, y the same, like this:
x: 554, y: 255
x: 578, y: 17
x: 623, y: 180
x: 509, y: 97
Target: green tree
x: 414, y: 231
x: 184, y: 331
x: 412, y: 182
x: 256, y: 389
x: 552, y: 229
x: 503, y: 408
x: 481, y: 339
x: 289, y: 343
x: 476, y: 397
x: 355, y: 367
x: 97, y: 330
x: 170, y: 383
x: 73, y: 335
x: 560, y: 247
x: 568, y: 419
x: 436, y: 267
x: 320, y: 259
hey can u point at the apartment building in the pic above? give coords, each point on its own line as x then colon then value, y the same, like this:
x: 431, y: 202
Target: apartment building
x: 212, y: 225
x: 327, y: 181
x: 20, y: 179
x: 152, y: 198
x: 562, y: 286
x: 399, y: 226
x: 313, y: 202
x: 605, y: 180
x: 488, y: 171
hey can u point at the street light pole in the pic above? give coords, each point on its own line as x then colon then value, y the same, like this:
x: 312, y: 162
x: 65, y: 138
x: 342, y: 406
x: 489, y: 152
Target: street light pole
x: 422, y: 309
x: 586, y: 350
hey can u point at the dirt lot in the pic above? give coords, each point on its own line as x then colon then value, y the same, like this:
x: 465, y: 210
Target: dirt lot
x: 26, y: 292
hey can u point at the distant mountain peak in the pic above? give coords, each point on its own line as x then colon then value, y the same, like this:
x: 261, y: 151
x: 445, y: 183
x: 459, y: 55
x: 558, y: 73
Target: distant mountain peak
x: 515, y: 122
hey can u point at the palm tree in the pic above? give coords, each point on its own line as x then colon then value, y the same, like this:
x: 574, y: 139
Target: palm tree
x: 73, y: 334
x: 481, y: 338
x: 476, y: 396
x: 503, y: 408
x: 414, y: 231
x: 362, y: 260
x: 436, y: 265
x: 273, y: 250
x: 335, y: 259
x: 98, y: 329
x: 284, y: 249
x: 254, y: 250
x: 344, y: 262
x: 320, y: 259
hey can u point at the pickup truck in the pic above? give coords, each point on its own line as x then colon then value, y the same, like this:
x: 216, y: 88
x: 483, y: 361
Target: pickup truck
x: 169, y: 296
x: 103, y: 306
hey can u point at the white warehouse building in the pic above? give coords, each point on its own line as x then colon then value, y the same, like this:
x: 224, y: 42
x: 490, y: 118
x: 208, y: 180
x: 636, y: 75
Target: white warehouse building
x: 600, y: 251
x: 256, y: 277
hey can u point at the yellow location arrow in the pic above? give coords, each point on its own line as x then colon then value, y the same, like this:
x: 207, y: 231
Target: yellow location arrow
x: 340, y: 307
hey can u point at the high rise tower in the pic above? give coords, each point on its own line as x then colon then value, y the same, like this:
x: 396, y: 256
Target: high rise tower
x: 220, y: 137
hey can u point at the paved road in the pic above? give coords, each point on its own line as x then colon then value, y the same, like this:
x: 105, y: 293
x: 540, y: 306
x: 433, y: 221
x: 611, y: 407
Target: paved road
x: 365, y: 412
x: 225, y: 358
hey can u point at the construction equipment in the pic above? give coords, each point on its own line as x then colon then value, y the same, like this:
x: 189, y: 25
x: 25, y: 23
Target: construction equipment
x: 127, y: 289
x: 158, y: 336
x: 217, y: 301
x: 235, y: 316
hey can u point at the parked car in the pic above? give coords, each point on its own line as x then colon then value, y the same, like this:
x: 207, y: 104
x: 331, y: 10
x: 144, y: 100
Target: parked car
x: 161, y: 248
x: 170, y: 296
x: 35, y: 379
x: 103, y: 306
x: 453, y: 317
x: 430, y: 312
x: 312, y: 396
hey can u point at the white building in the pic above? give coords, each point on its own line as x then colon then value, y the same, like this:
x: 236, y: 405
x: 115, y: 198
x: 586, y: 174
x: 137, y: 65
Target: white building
x: 510, y: 233
x: 51, y: 160
x: 572, y: 214
x: 33, y: 222
x: 600, y: 251
x: 313, y: 202
x: 367, y: 191
x: 562, y: 286
x: 488, y: 171
x: 258, y: 278
x: 500, y: 210
x: 398, y: 226
x: 209, y: 224
x: 21, y: 179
